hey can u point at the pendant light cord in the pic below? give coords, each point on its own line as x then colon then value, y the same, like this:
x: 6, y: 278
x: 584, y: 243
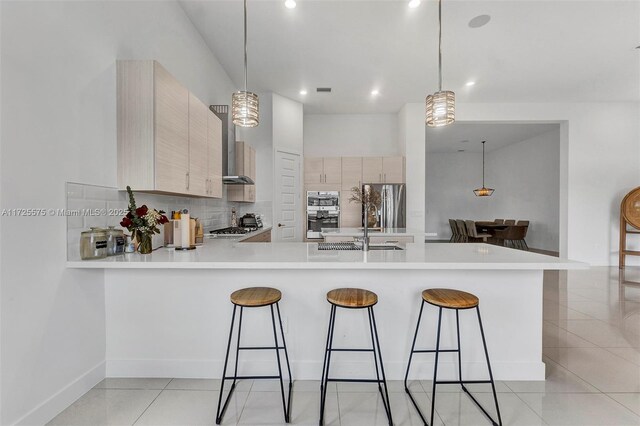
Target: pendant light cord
x: 245, y: 45
x: 439, y: 45
x: 483, y: 163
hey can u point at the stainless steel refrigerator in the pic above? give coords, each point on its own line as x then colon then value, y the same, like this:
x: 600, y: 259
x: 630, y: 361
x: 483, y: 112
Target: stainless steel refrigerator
x: 393, y: 207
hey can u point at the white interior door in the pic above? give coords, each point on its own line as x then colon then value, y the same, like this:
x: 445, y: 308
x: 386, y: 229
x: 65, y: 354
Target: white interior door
x: 287, y: 224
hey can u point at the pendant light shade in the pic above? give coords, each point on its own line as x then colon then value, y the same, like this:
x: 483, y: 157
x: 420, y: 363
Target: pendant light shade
x: 484, y: 191
x: 245, y: 108
x: 441, y: 106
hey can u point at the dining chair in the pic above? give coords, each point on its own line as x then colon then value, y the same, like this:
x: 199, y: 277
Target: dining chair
x: 498, y: 221
x: 454, y: 231
x: 462, y: 231
x: 473, y: 232
x: 523, y: 223
x: 510, y: 222
x: 522, y: 242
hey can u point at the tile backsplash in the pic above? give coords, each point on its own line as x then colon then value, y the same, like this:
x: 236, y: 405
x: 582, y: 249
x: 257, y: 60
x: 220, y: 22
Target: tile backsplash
x: 81, y: 198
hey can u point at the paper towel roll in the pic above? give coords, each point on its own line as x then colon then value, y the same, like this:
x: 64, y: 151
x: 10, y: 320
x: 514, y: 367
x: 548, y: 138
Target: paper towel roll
x: 185, y: 227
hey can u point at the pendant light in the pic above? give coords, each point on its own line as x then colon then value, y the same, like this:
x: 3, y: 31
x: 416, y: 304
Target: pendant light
x: 484, y: 191
x: 441, y: 106
x: 244, y: 104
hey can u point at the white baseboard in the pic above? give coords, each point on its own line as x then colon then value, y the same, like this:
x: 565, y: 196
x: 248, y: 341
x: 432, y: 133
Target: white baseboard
x: 311, y: 370
x: 66, y: 396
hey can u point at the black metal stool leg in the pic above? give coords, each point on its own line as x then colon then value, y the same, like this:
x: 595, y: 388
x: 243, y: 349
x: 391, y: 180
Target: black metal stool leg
x: 486, y: 353
x: 332, y: 323
x: 387, y: 404
x: 435, y: 368
x: 219, y: 413
x: 275, y: 338
x: 373, y: 348
x: 459, y: 351
x: 406, y: 376
x: 286, y: 355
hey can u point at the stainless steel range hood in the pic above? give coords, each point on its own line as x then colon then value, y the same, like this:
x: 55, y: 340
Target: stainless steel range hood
x: 229, y: 138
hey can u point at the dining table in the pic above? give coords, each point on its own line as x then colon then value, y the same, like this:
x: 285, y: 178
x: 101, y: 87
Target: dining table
x: 496, y: 230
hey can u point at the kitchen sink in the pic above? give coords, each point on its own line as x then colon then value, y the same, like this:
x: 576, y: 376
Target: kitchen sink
x: 353, y: 246
x: 384, y: 247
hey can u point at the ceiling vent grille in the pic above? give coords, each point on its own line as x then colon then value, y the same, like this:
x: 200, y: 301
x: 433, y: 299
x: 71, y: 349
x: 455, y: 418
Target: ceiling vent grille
x: 323, y: 90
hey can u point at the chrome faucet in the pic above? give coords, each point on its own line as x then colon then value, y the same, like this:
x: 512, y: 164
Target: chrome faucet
x: 366, y: 193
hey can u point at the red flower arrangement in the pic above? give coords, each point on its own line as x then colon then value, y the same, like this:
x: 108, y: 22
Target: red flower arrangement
x: 142, y: 222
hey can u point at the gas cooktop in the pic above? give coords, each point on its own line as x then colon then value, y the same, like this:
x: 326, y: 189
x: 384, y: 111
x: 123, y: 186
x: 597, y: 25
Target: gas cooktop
x: 232, y: 230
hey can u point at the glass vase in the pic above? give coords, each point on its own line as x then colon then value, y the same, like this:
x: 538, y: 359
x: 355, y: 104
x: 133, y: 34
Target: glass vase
x: 144, y: 243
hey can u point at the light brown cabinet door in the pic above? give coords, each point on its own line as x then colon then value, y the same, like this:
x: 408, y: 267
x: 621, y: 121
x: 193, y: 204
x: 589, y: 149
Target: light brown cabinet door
x: 171, y: 133
x: 214, y: 156
x: 351, y: 172
x: 393, y: 169
x: 252, y: 163
x: 198, y: 148
x: 350, y: 213
x: 313, y: 170
x: 372, y: 170
x: 332, y: 172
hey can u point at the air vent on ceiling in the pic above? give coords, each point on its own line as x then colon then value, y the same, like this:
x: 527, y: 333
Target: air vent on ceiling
x: 323, y: 90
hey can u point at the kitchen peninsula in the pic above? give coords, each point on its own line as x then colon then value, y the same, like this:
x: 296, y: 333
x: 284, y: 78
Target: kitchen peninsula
x: 156, y: 303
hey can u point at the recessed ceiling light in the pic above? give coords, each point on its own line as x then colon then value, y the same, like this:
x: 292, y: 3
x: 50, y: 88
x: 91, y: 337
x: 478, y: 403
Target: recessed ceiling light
x: 303, y: 92
x: 290, y: 4
x: 375, y: 92
x: 479, y: 21
x: 414, y: 3
x: 470, y: 83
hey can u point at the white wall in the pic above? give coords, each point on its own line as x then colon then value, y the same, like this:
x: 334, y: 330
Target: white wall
x: 288, y: 123
x: 525, y: 175
x: 450, y: 181
x: 344, y: 135
x: 59, y: 124
x: 412, y: 130
x: 599, y: 154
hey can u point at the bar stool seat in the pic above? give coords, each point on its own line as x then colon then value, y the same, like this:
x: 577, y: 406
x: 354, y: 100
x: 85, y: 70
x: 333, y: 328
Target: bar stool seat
x: 450, y: 298
x: 254, y: 297
x: 354, y: 298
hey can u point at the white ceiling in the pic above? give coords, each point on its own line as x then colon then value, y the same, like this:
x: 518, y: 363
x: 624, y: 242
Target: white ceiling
x: 469, y: 135
x: 530, y: 51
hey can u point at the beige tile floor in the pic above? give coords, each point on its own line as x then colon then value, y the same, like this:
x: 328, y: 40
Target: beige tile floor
x: 591, y: 349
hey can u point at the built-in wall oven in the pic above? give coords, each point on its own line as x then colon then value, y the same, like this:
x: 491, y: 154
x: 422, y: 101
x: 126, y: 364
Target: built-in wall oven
x: 323, y: 211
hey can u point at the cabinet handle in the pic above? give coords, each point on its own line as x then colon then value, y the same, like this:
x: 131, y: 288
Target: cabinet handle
x: 325, y: 178
x: 320, y: 177
x: 385, y: 177
x: 380, y: 177
x: 187, y: 179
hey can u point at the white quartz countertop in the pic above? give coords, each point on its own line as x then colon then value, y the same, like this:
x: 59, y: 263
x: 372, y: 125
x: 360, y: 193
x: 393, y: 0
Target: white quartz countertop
x: 229, y: 253
x: 242, y: 237
x: 359, y: 232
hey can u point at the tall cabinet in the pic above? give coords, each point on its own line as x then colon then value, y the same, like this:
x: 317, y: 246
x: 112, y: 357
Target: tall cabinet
x: 168, y: 140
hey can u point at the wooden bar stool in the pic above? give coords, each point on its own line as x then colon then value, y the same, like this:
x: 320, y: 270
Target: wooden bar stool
x: 444, y: 298
x: 354, y: 298
x: 255, y: 297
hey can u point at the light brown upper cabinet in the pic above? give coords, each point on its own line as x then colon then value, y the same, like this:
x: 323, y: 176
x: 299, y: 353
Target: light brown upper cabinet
x: 245, y: 165
x: 351, y: 172
x: 372, y: 170
x: 165, y: 142
x: 383, y: 170
x: 323, y: 170
x: 393, y: 170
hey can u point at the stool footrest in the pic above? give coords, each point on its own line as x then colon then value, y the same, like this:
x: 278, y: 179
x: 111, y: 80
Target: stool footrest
x: 464, y: 382
x: 355, y: 380
x: 249, y: 377
x: 259, y: 348
x: 424, y: 351
x: 349, y: 350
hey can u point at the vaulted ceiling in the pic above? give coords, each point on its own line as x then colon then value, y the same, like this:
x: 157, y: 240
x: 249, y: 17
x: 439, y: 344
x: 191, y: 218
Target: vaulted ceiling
x: 530, y: 51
